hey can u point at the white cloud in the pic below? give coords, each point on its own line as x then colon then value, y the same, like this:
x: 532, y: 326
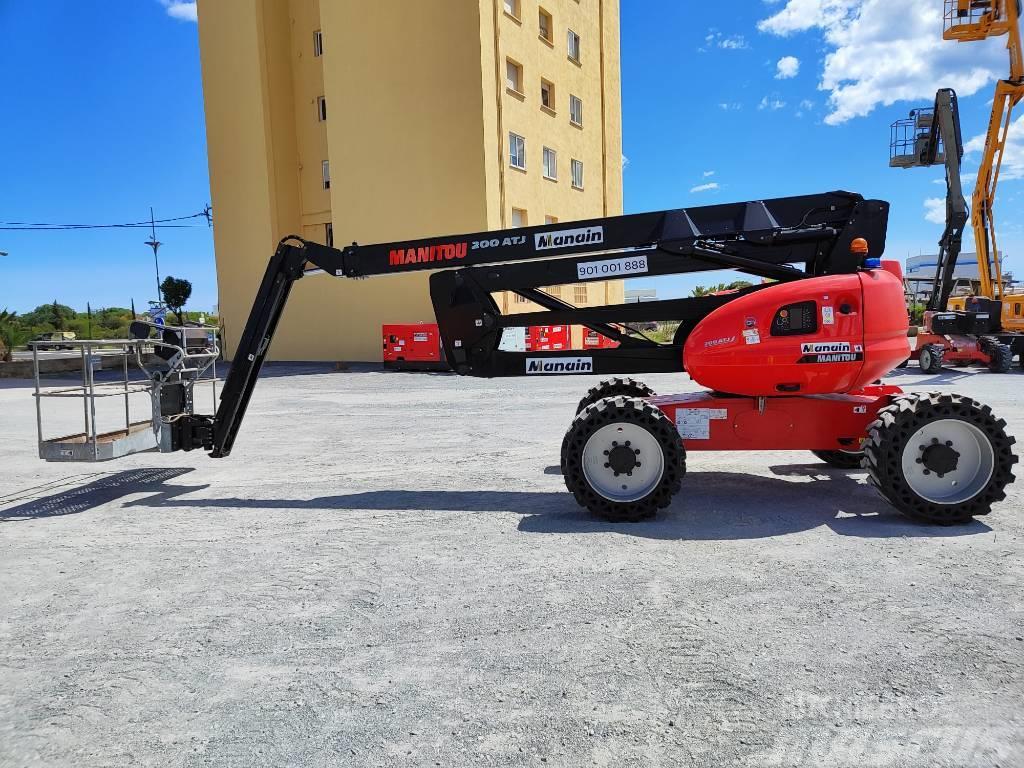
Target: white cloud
x: 1013, y: 151
x: 625, y: 162
x: 935, y: 210
x: 730, y: 106
x: 881, y: 52
x: 787, y: 67
x: 181, y: 9
x: 705, y: 187
x: 771, y: 102
x: 708, y: 173
x: 715, y: 39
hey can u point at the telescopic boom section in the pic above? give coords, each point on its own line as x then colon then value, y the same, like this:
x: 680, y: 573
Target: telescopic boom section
x: 781, y: 239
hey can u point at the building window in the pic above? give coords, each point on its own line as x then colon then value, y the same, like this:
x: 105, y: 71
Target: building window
x: 326, y: 169
x: 512, y: 8
x: 550, y: 219
x: 550, y: 164
x: 575, y: 110
x: 547, y: 95
x: 318, y: 43
x: 517, y: 151
x: 521, y: 299
x: 513, y: 76
x: 577, y: 174
x: 554, y: 290
x: 518, y: 217
x: 579, y: 295
x: 574, y: 46
x: 545, y: 25
x: 321, y: 108
x: 329, y: 234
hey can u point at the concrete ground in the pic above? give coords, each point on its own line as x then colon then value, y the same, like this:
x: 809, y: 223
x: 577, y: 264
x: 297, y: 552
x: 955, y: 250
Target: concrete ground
x: 388, y: 572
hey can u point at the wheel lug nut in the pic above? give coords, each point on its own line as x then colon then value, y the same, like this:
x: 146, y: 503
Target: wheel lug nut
x: 614, y: 444
x: 949, y: 443
x: 616, y: 474
x: 629, y: 474
x: 927, y: 472
x: 639, y: 464
x: 636, y: 451
x: 606, y: 453
x: 935, y: 441
x: 606, y: 465
x: 920, y: 447
x: 627, y: 443
x: 919, y: 461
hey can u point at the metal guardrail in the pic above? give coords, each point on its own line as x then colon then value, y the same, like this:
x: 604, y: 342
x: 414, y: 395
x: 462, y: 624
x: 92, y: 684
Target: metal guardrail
x: 180, y: 363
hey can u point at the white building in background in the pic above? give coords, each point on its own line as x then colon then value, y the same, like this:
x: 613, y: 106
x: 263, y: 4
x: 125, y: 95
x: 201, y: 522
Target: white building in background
x: 634, y: 295
x: 921, y: 267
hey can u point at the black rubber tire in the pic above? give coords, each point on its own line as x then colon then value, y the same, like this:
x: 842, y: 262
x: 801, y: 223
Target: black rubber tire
x: 635, y: 411
x: 613, y: 388
x: 930, y: 358
x: 1001, y: 357
x: 898, y: 421
x: 841, y: 459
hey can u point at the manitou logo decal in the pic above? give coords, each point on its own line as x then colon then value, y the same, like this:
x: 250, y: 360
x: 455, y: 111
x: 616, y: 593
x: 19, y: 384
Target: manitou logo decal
x: 830, y: 352
x: 559, y: 365
x: 427, y: 253
x: 566, y: 237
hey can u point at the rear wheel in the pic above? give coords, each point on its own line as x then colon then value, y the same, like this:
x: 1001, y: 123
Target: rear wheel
x: 1000, y: 355
x: 841, y: 459
x: 625, y: 387
x: 622, y: 459
x: 939, y: 458
x: 930, y: 358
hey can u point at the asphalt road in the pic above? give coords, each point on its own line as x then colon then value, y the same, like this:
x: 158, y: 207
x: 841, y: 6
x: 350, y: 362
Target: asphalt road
x: 388, y: 572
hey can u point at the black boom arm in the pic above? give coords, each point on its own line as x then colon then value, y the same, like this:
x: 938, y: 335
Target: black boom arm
x: 783, y: 239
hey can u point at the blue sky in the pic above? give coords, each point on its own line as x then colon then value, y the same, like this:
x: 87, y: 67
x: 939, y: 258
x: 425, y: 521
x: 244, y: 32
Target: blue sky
x: 770, y: 99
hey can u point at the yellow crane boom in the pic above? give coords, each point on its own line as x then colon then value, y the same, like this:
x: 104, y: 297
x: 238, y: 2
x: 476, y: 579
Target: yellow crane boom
x: 965, y: 21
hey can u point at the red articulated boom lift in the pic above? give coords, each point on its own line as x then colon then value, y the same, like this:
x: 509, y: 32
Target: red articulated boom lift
x: 792, y: 364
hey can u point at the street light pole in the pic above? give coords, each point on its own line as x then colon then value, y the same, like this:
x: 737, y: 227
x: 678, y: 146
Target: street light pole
x: 154, y: 244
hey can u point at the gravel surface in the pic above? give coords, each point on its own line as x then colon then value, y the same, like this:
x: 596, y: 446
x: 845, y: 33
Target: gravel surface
x: 388, y: 571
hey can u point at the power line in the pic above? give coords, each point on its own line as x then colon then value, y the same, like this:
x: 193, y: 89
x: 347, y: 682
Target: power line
x: 25, y: 226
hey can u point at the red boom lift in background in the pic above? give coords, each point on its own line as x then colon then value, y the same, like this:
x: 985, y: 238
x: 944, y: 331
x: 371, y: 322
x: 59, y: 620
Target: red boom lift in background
x: 789, y: 364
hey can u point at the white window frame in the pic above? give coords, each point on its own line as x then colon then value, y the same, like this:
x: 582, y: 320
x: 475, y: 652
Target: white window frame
x: 524, y: 217
x: 321, y: 109
x: 575, y: 115
x: 325, y: 171
x: 577, y: 178
x: 513, y: 66
x: 318, y: 43
x: 549, y: 219
x: 329, y: 234
x: 552, y: 172
x: 574, y: 38
x: 512, y: 8
x: 515, y: 141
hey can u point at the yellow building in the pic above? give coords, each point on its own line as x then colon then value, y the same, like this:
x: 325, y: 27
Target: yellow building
x: 347, y: 120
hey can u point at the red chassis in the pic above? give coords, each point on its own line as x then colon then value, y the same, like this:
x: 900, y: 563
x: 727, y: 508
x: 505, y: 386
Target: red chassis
x: 710, y: 422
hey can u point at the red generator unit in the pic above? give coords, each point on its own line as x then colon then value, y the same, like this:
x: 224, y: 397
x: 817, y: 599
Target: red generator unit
x: 413, y: 347
x: 594, y: 340
x: 548, y: 338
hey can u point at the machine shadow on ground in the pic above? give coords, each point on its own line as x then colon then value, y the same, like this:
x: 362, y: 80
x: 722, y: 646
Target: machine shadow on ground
x: 713, y: 506
x: 106, y: 488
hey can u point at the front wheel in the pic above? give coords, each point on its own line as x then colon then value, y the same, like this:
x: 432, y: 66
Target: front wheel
x: 939, y: 458
x: 930, y: 358
x: 623, y: 459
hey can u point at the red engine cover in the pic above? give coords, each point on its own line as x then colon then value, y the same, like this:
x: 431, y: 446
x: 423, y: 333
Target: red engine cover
x: 822, y: 335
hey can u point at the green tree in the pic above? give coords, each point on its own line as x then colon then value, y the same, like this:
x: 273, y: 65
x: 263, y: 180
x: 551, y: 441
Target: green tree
x: 11, y: 335
x: 176, y: 292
